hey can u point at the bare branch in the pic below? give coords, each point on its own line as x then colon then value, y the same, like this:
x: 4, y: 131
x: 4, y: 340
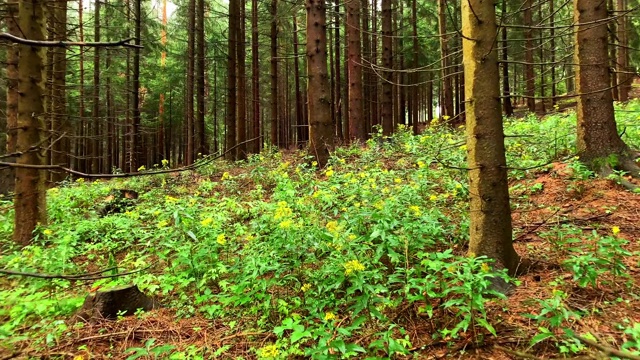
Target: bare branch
x: 18, y: 40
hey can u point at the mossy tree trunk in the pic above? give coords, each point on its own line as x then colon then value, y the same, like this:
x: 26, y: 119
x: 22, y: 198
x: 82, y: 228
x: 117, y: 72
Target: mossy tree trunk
x: 490, y: 212
x: 30, y: 195
x: 319, y: 106
x: 598, y: 143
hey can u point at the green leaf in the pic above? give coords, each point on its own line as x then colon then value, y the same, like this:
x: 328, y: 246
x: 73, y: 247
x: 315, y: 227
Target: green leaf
x: 541, y: 337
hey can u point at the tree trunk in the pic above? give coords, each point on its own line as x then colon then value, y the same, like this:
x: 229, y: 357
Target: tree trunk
x: 241, y: 119
x: 303, y: 130
x: 366, y: 72
x: 356, y: 123
x: 94, y: 155
x: 136, y: 140
x: 624, y: 78
x: 255, y: 73
x: 199, y: 124
x: 552, y: 52
x: 12, y: 18
x: 320, y: 129
x: 490, y: 228
x: 338, y: 70
x: 597, y: 136
x: 506, y: 91
x: 274, y: 73
x: 446, y: 106
x: 415, y: 79
x: 30, y: 193
x: 189, y: 93
x: 230, y: 134
x: 529, y: 75
x: 387, y: 63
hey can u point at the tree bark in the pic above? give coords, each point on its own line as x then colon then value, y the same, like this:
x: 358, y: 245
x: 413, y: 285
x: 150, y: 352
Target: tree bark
x: 232, y: 102
x: 529, y: 75
x: 11, y: 19
x: 597, y: 136
x: 320, y: 127
x: 136, y: 137
x: 490, y: 228
x: 446, y: 107
x: 241, y: 119
x: 337, y: 70
x: 274, y: 74
x: 506, y: 91
x: 255, y: 73
x: 387, y: 63
x: 30, y: 193
x: 189, y: 93
x: 624, y: 78
x: 356, y: 121
x: 199, y: 124
x: 94, y: 155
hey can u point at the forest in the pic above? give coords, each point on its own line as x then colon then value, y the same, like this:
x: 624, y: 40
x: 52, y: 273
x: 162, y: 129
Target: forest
x: 288, y: 179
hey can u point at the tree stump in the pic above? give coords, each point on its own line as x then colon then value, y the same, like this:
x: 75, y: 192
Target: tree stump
x: 109, y: 303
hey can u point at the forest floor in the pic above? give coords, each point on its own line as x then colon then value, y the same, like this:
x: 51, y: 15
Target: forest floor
x: 276, y: 277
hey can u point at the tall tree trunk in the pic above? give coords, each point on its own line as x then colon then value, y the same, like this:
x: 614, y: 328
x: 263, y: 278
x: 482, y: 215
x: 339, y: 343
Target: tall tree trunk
x: 366, y: 71
x: 303, y: 130
x: 232, y: 102
x: 375, y: 112
x: 552, y: 52
x: 12, y: 18
x: 255, y: 74
x: 597, y: 136
x: 446, y: 106
x: 30, y: 193
x: 338, y: 101
x: 189, y: 93
x: 242, y: 84
x: 356, y: 123
x: 529, y: 75
x: 95, y: 156
x: 542, y: 62
x: 275, y: 123
x: 137, y: 158
x: 320, y: 127
x: 506, y: 92
x: 415, y: 79
x: 624, y: 78
x: 387, y: 63
x: 490, y: 228
x: 199, y: 124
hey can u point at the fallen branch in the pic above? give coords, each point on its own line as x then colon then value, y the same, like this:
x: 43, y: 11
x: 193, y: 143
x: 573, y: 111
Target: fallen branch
x: 608, y: 351
x: 18, y: 40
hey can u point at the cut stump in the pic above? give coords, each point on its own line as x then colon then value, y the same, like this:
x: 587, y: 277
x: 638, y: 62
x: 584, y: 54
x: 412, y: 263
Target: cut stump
x: 109, y: 303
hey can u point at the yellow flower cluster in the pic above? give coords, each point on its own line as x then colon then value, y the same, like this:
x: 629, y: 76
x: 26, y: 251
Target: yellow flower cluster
x: 329, y: 316
x: 163, y: 223
x: 269, y: 352
x: 48, y: 232
x: 206, y: 222
x: 286, y: 224
x: 221, y: 239
x: 615, y: 230
x: 225, y: 176
x: 415, y: 210
x: 332, y: 227
x: 352, y: 266
x: 305, y: 287
x: 282, y: 211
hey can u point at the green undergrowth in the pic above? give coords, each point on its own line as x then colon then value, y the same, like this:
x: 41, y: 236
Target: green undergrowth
x: 325, y: 259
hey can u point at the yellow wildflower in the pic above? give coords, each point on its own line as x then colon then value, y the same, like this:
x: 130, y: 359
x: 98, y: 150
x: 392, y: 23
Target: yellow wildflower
x: 397, y: 180
x: 433, y: 197
x: 615, y: 230
x: 221, y: 239
x: 420, y: 164
x: 269, y: 352
x: 332, y: 226
x: 286, y: 224
x: 329, y: 173
x: 446, y: 117
x: 206, y: 222
x: 329, y: 316
x: 315, y: 163
x: 305, y: 287
x: 142, y: 168
x: 485, y: 267
x: 225, y: 176
x: 352, y: 237
x: 165, y: 162
x: 416, y: 210
x: 163, y: 223
x: 80, y: 180
x: 170, y: 198
x: 48, y: 232
x: 352, y: 266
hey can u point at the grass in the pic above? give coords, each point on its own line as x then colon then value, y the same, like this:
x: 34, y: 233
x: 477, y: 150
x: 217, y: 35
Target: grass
x: 274, y: 258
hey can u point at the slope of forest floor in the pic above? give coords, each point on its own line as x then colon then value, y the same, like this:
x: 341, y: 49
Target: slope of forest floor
x: 273, y: 258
